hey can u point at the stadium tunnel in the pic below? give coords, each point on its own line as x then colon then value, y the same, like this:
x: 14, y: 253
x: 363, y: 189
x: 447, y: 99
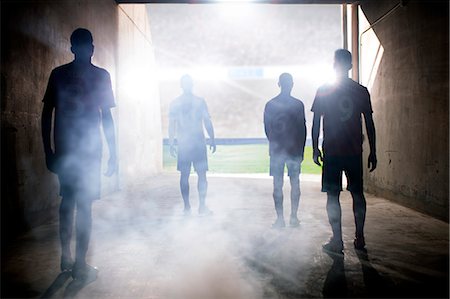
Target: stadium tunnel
x: 409, y: 91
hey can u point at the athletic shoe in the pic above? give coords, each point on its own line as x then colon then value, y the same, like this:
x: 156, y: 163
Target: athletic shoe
x: 66, y: 264
x: 84, y: 272
x: 294, y: 222
x: 334, y: 247
x: 204, y: 211
x: 359, y: 243
x: 279, y: 223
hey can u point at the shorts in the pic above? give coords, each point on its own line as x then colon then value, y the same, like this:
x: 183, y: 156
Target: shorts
x: 277, y: 163
x: 196, y: 156
x: 332, y: 173
x: 80, y: 178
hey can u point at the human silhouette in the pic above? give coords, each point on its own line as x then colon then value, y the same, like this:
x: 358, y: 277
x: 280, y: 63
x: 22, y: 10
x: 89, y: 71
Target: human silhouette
x: 284, y: 124
x: 80, y: 95
x: 188, y: 116
x: 341, y: 105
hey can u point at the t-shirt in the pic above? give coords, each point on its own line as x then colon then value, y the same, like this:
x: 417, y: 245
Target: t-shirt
x: 189, y: 112
x: 78, y: 95
x: 341, y: 106
x: 284, y: 124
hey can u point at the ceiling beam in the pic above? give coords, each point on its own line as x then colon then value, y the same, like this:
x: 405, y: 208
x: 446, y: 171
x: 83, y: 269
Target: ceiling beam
x: 255, y: 2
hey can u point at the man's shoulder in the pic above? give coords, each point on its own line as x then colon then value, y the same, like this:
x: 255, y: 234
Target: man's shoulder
x: 357, y: 88
x: 325, y: 89
x: 297, y: 102
x: 101, y: 72
x: 62, y: 69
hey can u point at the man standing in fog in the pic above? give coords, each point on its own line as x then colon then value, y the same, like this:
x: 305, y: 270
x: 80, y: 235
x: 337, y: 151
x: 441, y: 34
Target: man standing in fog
x: 80, y: 95
x: 284, y: 124
x: 341, y: 106
x: 187, y: 116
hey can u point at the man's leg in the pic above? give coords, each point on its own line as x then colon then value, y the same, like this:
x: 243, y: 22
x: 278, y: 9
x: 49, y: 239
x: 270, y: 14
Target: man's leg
x: 335, y: 245
x: 66, y: 213
x: 184, y: 187
x: 295, y: 198
x: 334, y: 215
x: 84, y: 227
x: 202, y: 186
x: 278, y: 199
x: 359, y: 211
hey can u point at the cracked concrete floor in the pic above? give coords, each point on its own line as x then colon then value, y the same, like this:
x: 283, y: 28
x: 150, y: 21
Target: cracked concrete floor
x: 145, y: 248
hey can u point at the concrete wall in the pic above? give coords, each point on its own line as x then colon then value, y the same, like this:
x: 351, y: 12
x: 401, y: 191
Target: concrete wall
x: 35, y: 39
x: 410, y: 102
x: 139, y: 106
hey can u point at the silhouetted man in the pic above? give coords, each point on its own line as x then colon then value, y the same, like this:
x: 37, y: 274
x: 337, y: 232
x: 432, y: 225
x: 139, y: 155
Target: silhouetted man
x: 341, y: 106
x: 81, y: 96
x: 284, y: 124
x: 188, y: 114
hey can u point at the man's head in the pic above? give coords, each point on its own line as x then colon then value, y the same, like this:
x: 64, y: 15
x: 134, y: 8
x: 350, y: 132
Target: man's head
x: 186, y: 83
x: 285, y: 82
x: 342, y: 61
x: 82, y: 44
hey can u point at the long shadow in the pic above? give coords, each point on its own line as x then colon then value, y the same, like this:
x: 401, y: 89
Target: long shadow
x: 75, y: 286
x: 335, y: 285
x: 71, y: 289
x: 57, y: 284
x: 376, y: 285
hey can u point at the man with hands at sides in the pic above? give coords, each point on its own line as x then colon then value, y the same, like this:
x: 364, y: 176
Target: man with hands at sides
x: 188, y: 115
x: 341, y: 105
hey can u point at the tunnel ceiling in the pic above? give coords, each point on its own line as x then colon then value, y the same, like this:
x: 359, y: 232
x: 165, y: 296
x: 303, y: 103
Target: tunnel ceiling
x: 257, y: 1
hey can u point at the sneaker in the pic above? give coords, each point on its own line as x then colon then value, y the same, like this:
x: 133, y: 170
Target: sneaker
x: 359, y: 243
x: 66, y: 263
x: 187, y: 212
x: 334, y: 247
x: 204, y: 211
x: 294, y: 222
x: 279, y: 223
x: 84, y: 272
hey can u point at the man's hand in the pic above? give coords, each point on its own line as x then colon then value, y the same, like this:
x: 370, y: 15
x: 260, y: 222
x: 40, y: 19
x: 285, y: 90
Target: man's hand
x: 173, y: 151
x: 372, y: 163
x: 51, y: 161
x: 112, y: 167
x: 317, y: 157
x: 212, y: 146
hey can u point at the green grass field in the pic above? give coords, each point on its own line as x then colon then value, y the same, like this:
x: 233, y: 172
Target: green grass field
x: 252, y: 158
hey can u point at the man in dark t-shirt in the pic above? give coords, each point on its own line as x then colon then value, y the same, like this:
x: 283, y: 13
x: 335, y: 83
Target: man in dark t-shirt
x: 80, y: 95
x: 284, y: 124
x: 341, y: 106
x: 188, y: 115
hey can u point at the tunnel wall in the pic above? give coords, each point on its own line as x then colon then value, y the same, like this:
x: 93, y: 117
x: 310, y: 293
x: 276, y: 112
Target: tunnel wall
x: 35, y: 39
x: 410, y: 102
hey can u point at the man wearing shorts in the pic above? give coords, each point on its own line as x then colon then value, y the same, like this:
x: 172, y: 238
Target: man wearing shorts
x: 284, y: 124
x: 341, y: 106
x: 188, y: 115
x: 80, y: 95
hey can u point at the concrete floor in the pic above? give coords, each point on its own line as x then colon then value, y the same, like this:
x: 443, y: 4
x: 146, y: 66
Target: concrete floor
x: 145, y: 248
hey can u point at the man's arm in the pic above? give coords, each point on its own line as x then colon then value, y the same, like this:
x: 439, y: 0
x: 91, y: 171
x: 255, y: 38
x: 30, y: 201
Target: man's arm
x: 304, y: 132
x: 315, y: 139
x: 210, y: 129
x: 110, y: 135
x: 46, y: 128
x: 370, y: 127
x: 266, y: 122
x: 172, y: 132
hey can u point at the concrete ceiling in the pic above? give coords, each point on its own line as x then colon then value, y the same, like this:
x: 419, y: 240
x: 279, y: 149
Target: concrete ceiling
x: 257, y: 1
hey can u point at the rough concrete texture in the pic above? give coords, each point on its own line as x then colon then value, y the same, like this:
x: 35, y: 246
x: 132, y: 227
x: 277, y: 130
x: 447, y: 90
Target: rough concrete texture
x: 139, y: 111
x: 410, y: 103
x: 35, y: 39
x: 145, y: 248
